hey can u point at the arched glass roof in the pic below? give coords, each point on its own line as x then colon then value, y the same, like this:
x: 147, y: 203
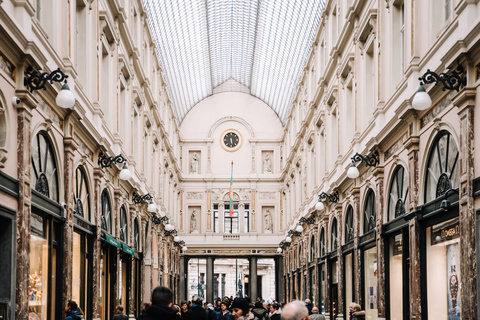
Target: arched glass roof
x: 262, y: 44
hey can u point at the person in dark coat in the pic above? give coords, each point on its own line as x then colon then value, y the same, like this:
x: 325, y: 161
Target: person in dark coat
x: 356, y: 312
x: 224, y: 314
x: 275, y: 313
x: 161, y: 307
x: 309, y: 306
x: 197, y: 312
x: 259, y: 311
x: 119, y: 315
x: 71, y: 311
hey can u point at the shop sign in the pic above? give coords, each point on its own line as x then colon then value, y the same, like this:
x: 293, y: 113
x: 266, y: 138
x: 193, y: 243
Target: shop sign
x: 112, y: 241
x: 446, y: 233
x: 128, y: 250
x: 397, y: 247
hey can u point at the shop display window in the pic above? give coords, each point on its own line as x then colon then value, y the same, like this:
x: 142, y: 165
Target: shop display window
x: 395, y: 257
x: 79, y: 271
x: 123, y: 285
x: 370, y: 278
x: 348, y: 280
x: 38, y: 277
x: 443, y: 271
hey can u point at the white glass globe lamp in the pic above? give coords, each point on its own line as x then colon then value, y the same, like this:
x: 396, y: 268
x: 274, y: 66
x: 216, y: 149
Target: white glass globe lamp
x: 319, y: 206
x: 422, y: 100
x: 65, y: 98
x: 288, y: 239
x: 168, y: 227
x: 176, y: 239
x: 152, y: 207
x: 184, y: 248
x: 125, y: 174
x: 299, y: 228
x: 353, y: 172
x: 279, y: 250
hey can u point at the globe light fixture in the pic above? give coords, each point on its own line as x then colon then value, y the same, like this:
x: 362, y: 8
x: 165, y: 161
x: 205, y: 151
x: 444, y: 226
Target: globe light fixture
x: 422, y: 100
x: 299, y: 228
x: 370, y: 161
x: 288, y: 239
x: 184, y: 248
x: 319, y: 205
x: 279, y: 250
x: 176, y: 239
x: 125, y: 174
x: 152, y: 207
x: 168, y: 227
x: 353, y: 172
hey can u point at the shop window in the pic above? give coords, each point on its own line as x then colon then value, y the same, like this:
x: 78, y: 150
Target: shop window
x: 370, y: 278
x: 82, y: 194
x: 321, y: 276
x: 441, y: 173
x: 395, y: 263
x: 333, y: 234
x: 39, y: 259
x: 369, y: 212
x: 349, y: 225
x: 106, y: 213
x: 398, y: 195
x: 123, y: 225
x: 443, y: 270
x: 44, y: 167
x: 312, y: 248
x: 349, y: 276
x: 80, y: 268
x: 322, y: 243
x: 136, y: 235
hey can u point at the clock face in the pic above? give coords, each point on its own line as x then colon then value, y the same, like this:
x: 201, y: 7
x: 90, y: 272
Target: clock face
x: 231, y: 140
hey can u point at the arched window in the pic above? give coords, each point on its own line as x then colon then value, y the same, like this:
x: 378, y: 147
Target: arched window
x: 369, y: 212
x: 81, y: 194
x: 312, y: 248
x: 299, y: 256
x: 349, y: 224
x: 442, y: 173
x: 123, y: 225
x: 136, y: 235
x: 106, y: 212
x: 44, y: 167
x: 398, y: 195
x: 322, y: 242
x: 334, y: 235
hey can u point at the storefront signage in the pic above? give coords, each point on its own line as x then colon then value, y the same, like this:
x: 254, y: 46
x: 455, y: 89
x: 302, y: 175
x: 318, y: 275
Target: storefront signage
x: 446, y: 233
x: 128, y: 250
x: 112, y: 241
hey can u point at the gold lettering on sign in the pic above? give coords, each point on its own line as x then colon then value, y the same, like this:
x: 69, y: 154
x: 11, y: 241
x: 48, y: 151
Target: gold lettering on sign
x: 450, y: 232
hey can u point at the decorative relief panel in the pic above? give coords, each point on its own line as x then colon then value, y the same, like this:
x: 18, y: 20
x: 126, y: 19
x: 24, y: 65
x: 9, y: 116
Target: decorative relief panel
x: 194, y: 214
x: 397, y: 146
x: 7, y: 66
x: 195, y: 195
x: 267, y: 195
x: 267, y: 161
x: 48, y: 111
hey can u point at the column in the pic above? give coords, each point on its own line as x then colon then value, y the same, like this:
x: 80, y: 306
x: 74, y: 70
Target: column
x: 379, y: 194
x: 22, y: 260
x: 210, y: 279
x: 183, y: 278
x: 279, y: 279
x: 252, y: 278
x: 357, y: 260
x: 97, y: 176
x: 465, y: 102
x: 340, y: 265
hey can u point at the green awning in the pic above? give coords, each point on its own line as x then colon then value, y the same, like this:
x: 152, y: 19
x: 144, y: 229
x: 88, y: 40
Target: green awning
x: 112, y: 241
x: 128, y: 250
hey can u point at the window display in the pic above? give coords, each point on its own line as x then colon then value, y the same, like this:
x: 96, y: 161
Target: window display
x: 396, y: 275
x: 38, y: 278
x: 370, y: 278
x: 443, y: 296
x: 348, y: 279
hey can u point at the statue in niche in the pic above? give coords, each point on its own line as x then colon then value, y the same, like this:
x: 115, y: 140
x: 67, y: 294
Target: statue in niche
x: 267, y: 164
x: 193, y: 221
x: 194, y: 163
x: 268, y: 220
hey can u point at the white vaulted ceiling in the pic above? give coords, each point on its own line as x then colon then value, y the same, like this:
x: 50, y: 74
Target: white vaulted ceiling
x: 261, y: 44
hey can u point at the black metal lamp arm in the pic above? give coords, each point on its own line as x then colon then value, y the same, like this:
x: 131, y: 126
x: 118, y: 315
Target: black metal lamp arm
x: 35, y: 80
x: 106, y: 162
x: 333, y: 197
x: 370, y: 160
x: 451, y: 81
x: 139, y: 199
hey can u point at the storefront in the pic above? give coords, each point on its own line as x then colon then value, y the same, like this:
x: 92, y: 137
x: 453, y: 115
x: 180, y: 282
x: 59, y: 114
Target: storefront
x: 333, y: 270
x: 348, y: 265
x: 46, y: 234
x: 137, y: 270
x: 397, y: 256
x: 322, y: 272
x: 440, y: 232
x: 369, y: 259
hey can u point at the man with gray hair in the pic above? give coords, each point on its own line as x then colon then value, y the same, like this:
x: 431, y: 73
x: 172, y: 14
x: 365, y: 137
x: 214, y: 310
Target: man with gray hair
x: 295, y: 310
x: 315, y: 315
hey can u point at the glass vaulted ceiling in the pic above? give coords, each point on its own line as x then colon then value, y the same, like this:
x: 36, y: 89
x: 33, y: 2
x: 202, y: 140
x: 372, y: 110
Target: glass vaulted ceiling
x: 262, y: 44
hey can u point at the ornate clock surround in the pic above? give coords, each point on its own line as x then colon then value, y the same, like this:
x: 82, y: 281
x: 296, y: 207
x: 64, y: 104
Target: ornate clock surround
x: 229, y: 148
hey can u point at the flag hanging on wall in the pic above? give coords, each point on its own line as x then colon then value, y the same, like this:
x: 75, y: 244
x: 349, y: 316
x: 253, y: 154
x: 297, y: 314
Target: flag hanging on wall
x: 230, y: 194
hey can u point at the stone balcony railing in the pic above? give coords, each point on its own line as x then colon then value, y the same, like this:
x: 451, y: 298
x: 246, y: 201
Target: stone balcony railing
x: 231, y: 237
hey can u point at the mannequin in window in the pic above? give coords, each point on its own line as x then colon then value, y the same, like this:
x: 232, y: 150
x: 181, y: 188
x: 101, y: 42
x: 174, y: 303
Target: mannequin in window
x: 194, y: 163
x: 267, y: 164
x: 193, y: 221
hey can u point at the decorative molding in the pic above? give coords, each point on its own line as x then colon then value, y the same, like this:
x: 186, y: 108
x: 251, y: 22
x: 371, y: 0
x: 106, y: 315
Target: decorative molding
x: 195, y: 195
x: 267, y: 195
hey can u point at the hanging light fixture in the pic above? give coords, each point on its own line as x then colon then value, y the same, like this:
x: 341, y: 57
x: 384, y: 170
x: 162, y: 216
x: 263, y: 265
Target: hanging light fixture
x: 288, y: 239
x: 370, y: 161
x: 299, y: 228
x: 125, y: 174
x: 152, y: 207
x: 319, y: 205
x: 422, y: 100
x: 176, y: 239
x: 279, y: 250
x: 184, y: 248
x: 168, y: 227
x: 353, y: 172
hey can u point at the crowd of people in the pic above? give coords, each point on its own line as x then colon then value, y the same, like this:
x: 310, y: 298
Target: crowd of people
x: 161, y: 307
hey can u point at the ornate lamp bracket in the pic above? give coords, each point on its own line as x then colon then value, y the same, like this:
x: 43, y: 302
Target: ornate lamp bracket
x: 139, y: 199
x: 451, y: 81
x: 35, y: 80
x: 370, y: 160
x: 106, y: 162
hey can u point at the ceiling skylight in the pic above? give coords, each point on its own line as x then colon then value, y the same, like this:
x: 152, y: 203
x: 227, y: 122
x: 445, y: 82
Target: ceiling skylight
x: 261, y: 44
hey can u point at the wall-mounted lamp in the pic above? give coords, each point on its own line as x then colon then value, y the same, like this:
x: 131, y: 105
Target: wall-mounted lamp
x: 332, y: 197
x: 295, y: 232
x: 370, y: 161
x: 288, y: 239
x: 452, y: 81
x: 309, y: 220
x: 284, y: 243
x: 139, y: 199
x: 279, y: 250
x: 106, y: 162
x: 158, y: 220
x: 299, y: 228
x: 170, y: 232
x: 179, y: 243
x: 168, y: 227
x: 445, y: 205
x: 184, y: 248
x: 35, y: 80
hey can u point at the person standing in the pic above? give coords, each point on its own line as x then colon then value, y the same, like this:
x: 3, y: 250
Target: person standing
x: 295, y: 310
x: 315, y: 315
x: 197, y: 312
x: 259, y: 312
x: 71, y: 311
x: 275, y: 313
x: 240, y: 309
x: 356, y: 312
x: 161, y: 307
x: 309, y: 306
x: 224, y: 314
x: 119, y: 315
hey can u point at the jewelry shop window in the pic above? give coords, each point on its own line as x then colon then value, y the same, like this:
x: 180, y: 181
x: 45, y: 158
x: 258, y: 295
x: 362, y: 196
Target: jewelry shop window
x: 38, y: 278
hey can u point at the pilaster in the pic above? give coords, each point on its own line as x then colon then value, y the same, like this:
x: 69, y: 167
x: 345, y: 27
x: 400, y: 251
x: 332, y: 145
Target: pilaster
x: 378, y: 173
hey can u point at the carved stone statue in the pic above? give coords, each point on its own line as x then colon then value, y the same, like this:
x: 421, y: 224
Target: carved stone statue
x: 268, y: 221
x: 194, y: 163
x: 193, y: 221
x: 267, y: 164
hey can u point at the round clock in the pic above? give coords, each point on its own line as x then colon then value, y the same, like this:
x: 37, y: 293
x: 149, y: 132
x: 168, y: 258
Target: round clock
x: 231, y: 140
